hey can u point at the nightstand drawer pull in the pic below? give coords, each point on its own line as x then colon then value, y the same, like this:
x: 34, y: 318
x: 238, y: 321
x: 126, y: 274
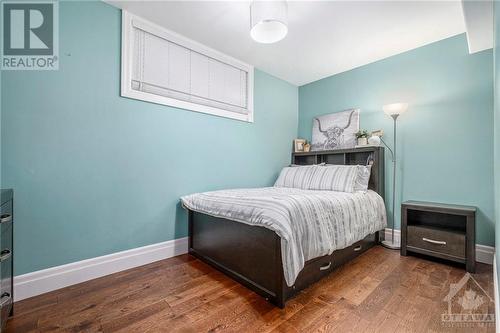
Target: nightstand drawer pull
x: 433, y: 241
x: 358, y: 248
x: 325, y: 267
x: 5, y: 254
x: 4, y: 299
x: 4, y: 218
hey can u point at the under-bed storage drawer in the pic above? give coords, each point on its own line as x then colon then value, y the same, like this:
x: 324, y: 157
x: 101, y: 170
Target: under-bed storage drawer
x: 437, y: 240
x: 342, y: 256
x: 316, y: 269
x: 313, y: 271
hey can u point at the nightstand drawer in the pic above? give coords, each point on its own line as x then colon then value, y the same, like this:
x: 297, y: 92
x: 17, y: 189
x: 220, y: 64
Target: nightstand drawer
x: 436, y: 240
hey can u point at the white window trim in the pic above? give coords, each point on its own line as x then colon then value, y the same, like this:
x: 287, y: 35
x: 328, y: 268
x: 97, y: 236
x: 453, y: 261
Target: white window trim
x: 128, y: 21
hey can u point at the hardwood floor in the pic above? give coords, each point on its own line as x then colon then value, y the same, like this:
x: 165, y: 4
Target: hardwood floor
x: 377, y: 292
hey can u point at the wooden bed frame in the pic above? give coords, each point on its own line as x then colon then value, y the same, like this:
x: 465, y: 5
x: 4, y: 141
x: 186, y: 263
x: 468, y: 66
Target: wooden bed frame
x: 252, y: 255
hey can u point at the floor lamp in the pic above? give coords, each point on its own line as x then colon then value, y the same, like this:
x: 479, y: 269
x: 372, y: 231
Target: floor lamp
x: 393, y: 110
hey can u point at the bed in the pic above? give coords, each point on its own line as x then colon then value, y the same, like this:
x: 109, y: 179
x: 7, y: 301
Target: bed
x: 239, y: 231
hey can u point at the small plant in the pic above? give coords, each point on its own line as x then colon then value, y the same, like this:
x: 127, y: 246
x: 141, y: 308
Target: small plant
x: 362, y: 134
x: 307, y: 147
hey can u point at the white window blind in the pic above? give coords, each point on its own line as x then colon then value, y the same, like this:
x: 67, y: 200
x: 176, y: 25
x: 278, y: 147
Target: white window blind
x: 162, y: 67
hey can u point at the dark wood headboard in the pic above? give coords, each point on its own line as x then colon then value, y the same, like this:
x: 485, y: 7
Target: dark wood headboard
x: 361, y: 156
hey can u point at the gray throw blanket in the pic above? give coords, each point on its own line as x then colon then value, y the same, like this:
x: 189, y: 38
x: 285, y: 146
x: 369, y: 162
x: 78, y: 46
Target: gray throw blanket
x: 310, y: 223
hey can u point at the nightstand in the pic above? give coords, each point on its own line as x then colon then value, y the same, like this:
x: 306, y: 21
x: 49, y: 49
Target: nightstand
x: 439, y: 230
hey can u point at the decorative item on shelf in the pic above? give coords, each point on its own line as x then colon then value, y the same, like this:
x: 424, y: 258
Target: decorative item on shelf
x: 362, y: 136
x: 298, y: 145
x: 335, y: 130
x: 393, y: 110
x: 374, y: 139
x: 307, y: 147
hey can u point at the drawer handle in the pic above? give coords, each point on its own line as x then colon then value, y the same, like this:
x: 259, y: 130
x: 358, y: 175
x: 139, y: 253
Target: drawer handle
x: 4, y: 299
x: 5, y: 254
x: 358, y: 248
x: 433, y: 241
x: 325, y: 267
x: 4, y: 218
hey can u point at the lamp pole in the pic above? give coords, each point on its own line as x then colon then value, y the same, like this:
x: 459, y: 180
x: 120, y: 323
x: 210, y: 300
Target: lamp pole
x: 394, y: 110
x: 393, y: 245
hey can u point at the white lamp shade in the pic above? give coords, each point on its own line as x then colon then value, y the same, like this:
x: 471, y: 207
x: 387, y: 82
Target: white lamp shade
x: 268, y: 20
x: 395, y: 109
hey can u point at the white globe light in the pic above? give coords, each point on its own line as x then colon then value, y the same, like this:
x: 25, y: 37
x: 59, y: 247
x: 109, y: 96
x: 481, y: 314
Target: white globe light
x: 268, y: 21
x: 268, y: 32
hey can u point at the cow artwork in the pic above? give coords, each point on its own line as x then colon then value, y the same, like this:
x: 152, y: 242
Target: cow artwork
x: 335, y: 130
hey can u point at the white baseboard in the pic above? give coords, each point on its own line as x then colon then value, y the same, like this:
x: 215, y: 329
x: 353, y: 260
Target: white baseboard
x: 39, y: 282
x: 397, y: 235
x: 484, y: 253
x: 495, y: 290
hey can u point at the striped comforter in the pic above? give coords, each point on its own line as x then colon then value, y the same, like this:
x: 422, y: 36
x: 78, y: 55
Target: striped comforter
x: 310, y: 223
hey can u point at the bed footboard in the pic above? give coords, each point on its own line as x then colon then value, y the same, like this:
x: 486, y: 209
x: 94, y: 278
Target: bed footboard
x: 249, y: 254
x: 252, y: 256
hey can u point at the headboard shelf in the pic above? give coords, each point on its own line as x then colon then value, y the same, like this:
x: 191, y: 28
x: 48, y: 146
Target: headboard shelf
x: 341, y: 151
x: 355, y: 156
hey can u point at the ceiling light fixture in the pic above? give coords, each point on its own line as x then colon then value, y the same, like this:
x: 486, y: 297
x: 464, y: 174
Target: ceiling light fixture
x: 268, y: 21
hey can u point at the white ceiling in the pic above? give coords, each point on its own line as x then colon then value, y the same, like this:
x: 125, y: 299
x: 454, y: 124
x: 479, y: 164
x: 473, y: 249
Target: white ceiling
x: 478, y: 16
x: 324, y: 37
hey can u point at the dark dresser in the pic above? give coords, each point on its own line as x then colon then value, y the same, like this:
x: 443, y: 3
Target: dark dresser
x: 443, y: 231
x: 6, y: 255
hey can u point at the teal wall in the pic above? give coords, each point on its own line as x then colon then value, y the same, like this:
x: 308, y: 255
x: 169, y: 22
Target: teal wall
x: 496, y: 56
x: 446, y: 137
x: 95, y: 173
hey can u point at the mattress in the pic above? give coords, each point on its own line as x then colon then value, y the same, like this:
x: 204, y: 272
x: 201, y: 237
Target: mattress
x: 310, y: 223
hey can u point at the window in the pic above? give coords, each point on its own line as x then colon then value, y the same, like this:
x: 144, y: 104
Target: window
x: 163, y: 67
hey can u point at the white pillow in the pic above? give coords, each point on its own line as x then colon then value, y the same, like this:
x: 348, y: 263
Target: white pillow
x: 296, y: 176
x: 362, y: 178
x: 340, y: 178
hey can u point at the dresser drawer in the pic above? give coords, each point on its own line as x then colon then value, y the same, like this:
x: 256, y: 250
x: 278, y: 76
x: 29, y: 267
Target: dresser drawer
x: 6, y: 215
x: 436, y: 240
x: 5, y: 243
x: 6, y: 256
x: 6, y: 298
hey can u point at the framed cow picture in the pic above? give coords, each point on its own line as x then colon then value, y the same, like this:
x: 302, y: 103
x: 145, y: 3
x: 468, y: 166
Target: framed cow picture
x: 335, y: 130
